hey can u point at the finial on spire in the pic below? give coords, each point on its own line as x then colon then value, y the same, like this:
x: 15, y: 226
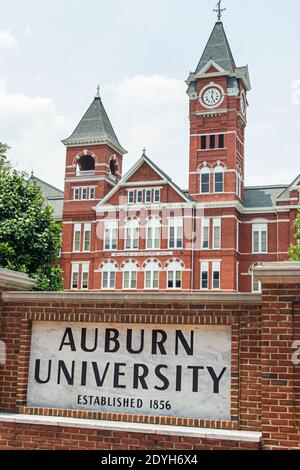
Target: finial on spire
x: 219, y: 10
x: 98, y: 92
x: 144, y: 152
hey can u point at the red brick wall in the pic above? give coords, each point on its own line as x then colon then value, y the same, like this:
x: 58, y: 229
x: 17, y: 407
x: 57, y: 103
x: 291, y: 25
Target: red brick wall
x: 265, y: 383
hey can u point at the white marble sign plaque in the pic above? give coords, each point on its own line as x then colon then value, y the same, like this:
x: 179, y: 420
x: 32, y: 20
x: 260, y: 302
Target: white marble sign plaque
x: 166, y: 370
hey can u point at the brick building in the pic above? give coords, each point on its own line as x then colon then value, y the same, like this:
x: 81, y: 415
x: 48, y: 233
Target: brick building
x: 140, y: 231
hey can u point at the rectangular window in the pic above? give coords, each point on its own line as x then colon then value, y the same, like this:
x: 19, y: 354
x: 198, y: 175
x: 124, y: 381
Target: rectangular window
x: 129, y: 280
x: 205, y: 234
x: 132, y: 237
x: 77, y: 238
x: 221, y: 141
x: 157, y: 195
x: 260, y: 238
x: 87, y: 237
x: 205, y: 182
x: 75, y: 276
x: 176, y: 233
x: 203, y: 142
x: 85, y: 276
x: 204, y: 275
x: 153, y: 238
x: 140, y: 196
x: 84, y: 194
x: 110, y: 235
x: 216, y: 275
x: 131, y: 197
x: 76, y: 194
x: 92, y: 193
x: 148, y: 196
x: 216, y: 234
x: 219, y: 182
x: 174, y: 279
x: 151, y: 279
x: 212, y: 141
x: 108, y: 279
x: 256, y: 285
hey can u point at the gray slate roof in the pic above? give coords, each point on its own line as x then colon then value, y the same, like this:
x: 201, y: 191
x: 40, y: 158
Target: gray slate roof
x: 95, y: 128
x: 54, y: 196
x: 218, y: 50
x: 261, y: 196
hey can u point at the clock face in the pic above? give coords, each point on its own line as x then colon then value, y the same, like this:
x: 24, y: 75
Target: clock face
x: 243, y: 104
x: 212, y: 96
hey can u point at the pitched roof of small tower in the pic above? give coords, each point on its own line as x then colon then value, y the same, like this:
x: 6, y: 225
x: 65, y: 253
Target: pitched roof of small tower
x: 218, y: 50
x: 95, y: 128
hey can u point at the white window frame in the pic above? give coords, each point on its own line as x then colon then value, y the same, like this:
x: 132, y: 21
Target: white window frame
x: 153, y: 227
x: 219, y: 170
x: 130, y: 268
x: 217, y: 225
x: 77, y: 230
x: 204, y: 269
x: 92, y: 196
x: 155, y: 192
x: 216, y: 268
x: 76, y: 191
x: 85, y: 268
x: 152, y: 270
x: 75, y: 271
x: 176, y: 223
x: 85, y: 190
x: 148, y: 192
x: 140, y: 192
x: 110, y: 229
x: 111, y: 271
x: 131, y: 193
x: 256, y: 282
x: 205, y: 228
x: 87, y: 235
x: 132, y: 227
x: 174, y: 269
x: 204, y: 171
x: 259, y: 228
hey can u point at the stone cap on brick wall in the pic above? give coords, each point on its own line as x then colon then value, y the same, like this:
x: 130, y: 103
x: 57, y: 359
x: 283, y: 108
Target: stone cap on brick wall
x: 285, y: 272
x: 15, y: 280
x: 136, y: 298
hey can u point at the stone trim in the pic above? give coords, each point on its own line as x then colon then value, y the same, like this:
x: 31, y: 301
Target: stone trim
x: 156, y: 298
x: 15, y: 280
x: 228, y: 435
x: 279, y: 272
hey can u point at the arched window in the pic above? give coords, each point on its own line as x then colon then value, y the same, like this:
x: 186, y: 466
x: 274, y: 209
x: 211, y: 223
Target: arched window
x: 130, y: 275
x: 153, y: 229
x: 112, y: 168
x: 205, y: 180
x: 132, y: 233
x: 174, y: 275
x: 109, y: 276
x: 219, y: 179
x: 152, y: 275
x: 86, y: 163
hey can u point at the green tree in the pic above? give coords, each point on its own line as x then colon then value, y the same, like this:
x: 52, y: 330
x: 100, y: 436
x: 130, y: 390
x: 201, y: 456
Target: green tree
x: 4, y: 163
x: 30, y: 240
x: 295, y: 249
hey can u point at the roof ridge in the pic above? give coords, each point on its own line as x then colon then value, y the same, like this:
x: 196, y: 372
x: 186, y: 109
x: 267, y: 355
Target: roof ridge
x: 33, y: 177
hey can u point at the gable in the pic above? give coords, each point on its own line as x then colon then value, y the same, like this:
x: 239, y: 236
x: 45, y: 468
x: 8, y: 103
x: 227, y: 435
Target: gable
x: 144, y: 173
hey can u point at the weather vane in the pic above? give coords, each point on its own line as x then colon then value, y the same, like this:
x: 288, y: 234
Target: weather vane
x: 219, y: 10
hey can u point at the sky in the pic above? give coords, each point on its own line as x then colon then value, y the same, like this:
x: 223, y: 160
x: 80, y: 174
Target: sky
x: 54, y: 53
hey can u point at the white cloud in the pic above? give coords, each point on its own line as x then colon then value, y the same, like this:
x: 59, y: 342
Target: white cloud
x: 7, y: 40
x: 28, y: 30
x: 33, y: 129
x: 152, y: 112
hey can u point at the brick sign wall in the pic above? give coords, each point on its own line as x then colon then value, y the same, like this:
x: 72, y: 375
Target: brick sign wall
x: 246, y: 335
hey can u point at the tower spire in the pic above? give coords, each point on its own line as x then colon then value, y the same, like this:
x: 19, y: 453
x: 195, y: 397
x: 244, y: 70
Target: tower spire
x: 219, y: 10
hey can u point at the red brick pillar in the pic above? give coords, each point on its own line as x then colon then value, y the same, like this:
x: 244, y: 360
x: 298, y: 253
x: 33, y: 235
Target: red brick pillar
x: 280, y: 376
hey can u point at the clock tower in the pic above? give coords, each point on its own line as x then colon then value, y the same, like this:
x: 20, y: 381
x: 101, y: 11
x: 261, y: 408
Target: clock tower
x: 217, y: 92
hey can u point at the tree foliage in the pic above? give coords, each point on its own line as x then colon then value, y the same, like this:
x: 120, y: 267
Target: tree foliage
x: 30, y: 240
x: 295, y: 249
x: 4, y: 163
